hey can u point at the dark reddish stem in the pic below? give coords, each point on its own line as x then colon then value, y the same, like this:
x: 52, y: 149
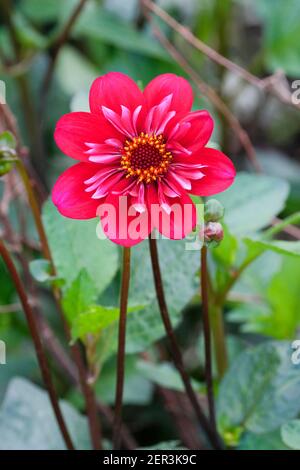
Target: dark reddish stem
x: 207, y: 339
x: 43, y: 363
x: 121, y: 349
x: 90, y: 399
x: 177, y: 357
x: 87, y: 390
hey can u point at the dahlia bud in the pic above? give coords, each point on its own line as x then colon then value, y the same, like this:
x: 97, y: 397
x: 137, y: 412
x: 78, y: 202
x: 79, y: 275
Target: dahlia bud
x: 213, y: 232
x: 7, y: 152
x: 213, y: 211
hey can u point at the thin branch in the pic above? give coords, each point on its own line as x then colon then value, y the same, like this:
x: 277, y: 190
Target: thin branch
x: 274, y: 84
x: 35, y: 211
x: 207, y: 339
x: 180, y: 410
x: 223, y: 109
x: 89, y: 394
x: 291, y: 230
x: 212, y: 96
x: 55, y: 50
x: 94, y: 425
x: 121, y: 348
x: 177, y: 357
x: 43, y: 363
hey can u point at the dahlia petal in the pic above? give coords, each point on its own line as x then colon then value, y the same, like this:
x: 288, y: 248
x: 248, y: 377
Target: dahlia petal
x: 179, y: 180
x: 105, y: 158
x: 100, y: 177
x: 177, y: 149
x: 193, y: 132
x: 190, y: 174
x: 126, y: 186
x: 219, y: 173
x: 178, y: 220
x: 69, y: 195
x: 120, y: 123
x: 107, y: 184
x: 113, y: 90
x: 121, y: 223
x: 74, y: 131
x: 168, y: 190
x: 166, y: 84
x: 138, y: 201
x: 114, y: 143
x: 163, y: 202
x: 158, y: 116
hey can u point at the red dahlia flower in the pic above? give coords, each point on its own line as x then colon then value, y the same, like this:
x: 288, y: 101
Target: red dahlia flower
x: 145, y: 147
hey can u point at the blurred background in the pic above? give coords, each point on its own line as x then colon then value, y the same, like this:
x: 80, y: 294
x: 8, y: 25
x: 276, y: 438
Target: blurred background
x: 48, y: 60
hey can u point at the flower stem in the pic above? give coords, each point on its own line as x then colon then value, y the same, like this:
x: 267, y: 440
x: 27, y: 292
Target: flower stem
x: 35, y: 211
x: 207, y: 338
x: 218, y: 332
x: 177, y: 357
x: 88, y: 393
x: 43, y: 363
x: 121, y: 348
x: 90, y: 399
x: 291, y: 220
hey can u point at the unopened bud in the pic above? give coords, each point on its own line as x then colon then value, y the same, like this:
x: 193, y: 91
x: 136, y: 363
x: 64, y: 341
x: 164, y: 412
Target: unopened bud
x: 213, y: 232
x: 213, y: 211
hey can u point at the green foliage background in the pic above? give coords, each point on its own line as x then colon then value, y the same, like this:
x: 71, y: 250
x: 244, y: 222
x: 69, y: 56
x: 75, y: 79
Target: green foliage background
x: 258, y: 400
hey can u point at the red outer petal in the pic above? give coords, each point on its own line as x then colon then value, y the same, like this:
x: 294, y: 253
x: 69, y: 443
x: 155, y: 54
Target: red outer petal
x: 198, y: 134
x: 167, y: 84
x: 69, y: 194
x: 176, y: 225
x: 119, y: 225
x: 74, y: 129
x: 219, y: 173
x: 113, y: 90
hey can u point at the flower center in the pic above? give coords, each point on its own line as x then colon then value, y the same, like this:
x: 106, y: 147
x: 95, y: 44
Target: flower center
x: 146, y: 157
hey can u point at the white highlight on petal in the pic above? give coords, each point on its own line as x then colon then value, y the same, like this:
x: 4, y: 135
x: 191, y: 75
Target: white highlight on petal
x: 114, y: 143
x: 159, y: 116
x: 184, y: 183
x: 139, y: 201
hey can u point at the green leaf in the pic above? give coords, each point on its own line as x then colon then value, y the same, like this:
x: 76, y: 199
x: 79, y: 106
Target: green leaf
x: 252, y: 202
x: 179, y: 267
x: 75, y: 246
x: 280, y: 34
x: 7, y: 141
x: 40, y: 270
x: 77, y: 298
x: 73, y: 71
x: 290, y: 434
x: 283, y: 298
x: 138, y: 390
x: 27, y: 421
x: 254, y: 318
x: 279, y: 246
x: 276, y: 312
x: 163, y: 374
x: 166, y: 445
x: 259, y: 392
x: 28, y: 36
x: 97, y: 23
x: 268, y: 441
x: 40, y: 12
x: 94, y: 319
